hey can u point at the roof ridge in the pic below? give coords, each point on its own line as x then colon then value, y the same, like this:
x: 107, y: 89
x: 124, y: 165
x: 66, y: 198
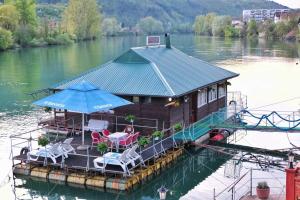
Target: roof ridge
x: 159, y: 74
x: 120, y: 59
x: 162, y: 78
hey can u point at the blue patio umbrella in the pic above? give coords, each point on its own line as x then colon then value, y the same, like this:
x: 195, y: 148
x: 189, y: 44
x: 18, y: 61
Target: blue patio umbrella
x: 82, y: 98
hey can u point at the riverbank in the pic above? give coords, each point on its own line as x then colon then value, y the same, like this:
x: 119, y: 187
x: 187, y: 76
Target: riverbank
x: 63, y: 40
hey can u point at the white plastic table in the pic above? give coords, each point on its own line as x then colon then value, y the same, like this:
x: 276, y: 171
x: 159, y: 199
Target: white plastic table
x: 115, y: 138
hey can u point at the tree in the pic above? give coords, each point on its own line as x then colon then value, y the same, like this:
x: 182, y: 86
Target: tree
x: 82, y: 18
x: 27, y: 12
x: 219, y: 24
x: 209, y: 18
x: 281, y: 29
x: 267, y: 28
x: 199, y: 25
x: 230, y: 31
x: 6, y: 39
x: 9, y: 17
x: 203, y: 24
x: 252, y: 30
x: 111, y: 27
x: 149, y: 25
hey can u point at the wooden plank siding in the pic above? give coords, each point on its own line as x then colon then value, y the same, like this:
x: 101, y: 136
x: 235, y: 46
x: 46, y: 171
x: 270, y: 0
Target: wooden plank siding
x: 186, y: 111
x: 154, y: 110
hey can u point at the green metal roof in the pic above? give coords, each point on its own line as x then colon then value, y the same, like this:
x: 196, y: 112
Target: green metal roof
x: 152, y: 71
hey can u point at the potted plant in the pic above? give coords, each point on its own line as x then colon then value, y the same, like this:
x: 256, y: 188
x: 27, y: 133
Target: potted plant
x: 130, y: 118
x: 43, y: 141
x: 177, y: 127
x: 47, y: 109
x: 263, y: 190
x: 157, y: 135
x: 143, y: 141
x: 102, y: 147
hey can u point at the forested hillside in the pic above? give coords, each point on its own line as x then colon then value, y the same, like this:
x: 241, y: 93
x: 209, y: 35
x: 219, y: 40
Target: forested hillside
x: 129, y: 12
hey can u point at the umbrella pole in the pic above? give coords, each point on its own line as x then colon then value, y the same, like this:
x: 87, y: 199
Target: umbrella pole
x: 82, y: 128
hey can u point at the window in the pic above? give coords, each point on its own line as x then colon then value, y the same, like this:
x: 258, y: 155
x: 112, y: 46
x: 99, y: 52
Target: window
x: 147, y: 100
x: 222, y: 91
x: 212, y: 93
x: 135, y: 99
x: 202, y: 97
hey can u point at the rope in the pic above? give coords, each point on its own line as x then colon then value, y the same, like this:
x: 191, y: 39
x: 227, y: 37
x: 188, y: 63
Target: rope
x: 278, y: 102
x: 266, y: 117
x: 287, y: 135
x: 272, y: 113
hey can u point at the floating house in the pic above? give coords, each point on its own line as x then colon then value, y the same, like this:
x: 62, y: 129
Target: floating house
x: 163, y: 83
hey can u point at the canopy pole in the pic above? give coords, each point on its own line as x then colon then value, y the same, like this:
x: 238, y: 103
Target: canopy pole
x: 82, y: 128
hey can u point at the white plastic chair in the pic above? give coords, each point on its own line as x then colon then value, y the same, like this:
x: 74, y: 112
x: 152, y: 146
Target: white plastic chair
x: 52, y: 152
x: 67, y: 147
x: 133, y: 155
x: 121, y: 160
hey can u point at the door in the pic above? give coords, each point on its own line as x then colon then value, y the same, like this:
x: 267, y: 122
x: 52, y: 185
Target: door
x: 193, y: 106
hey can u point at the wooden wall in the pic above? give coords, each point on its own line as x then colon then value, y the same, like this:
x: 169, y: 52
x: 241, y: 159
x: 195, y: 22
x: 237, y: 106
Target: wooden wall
x: 154, y: 110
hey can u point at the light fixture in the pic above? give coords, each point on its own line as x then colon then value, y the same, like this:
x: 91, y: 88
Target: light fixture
x: 291, y: 157
x: 162, y: 192
x: 170, y: 99
x: 186, y: 98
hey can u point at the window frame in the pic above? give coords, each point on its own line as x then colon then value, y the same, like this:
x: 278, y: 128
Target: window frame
x: 212, y: 93
x: 223, y: 91
x: 200, y: 97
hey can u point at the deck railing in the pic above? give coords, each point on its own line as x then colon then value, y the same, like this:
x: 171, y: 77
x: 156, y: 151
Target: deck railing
x: 116, y: 121
x: 246, y: 184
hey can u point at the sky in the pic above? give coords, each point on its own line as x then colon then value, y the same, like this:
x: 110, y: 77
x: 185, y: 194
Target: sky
x: 289, y: 3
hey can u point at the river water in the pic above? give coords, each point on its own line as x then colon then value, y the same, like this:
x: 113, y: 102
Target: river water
x: 269, y: 76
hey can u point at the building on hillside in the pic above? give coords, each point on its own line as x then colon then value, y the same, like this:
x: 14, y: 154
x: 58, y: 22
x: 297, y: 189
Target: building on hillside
x: 262, y: 14
x: 237, y: 24
x: 162, y: 82
x: 279, y: 17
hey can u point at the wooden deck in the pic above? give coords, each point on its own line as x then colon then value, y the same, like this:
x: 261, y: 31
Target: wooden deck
x: 83, y: 160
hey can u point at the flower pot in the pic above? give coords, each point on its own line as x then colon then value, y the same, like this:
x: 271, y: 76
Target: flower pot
x: 263, y: 193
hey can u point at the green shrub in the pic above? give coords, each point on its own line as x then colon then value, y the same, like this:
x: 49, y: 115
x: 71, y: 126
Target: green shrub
x: 177, y: 127
x: 102, y: 147
x: 43, y: 141
x: 63, y: 39
x: 143, y: 141
x: 6, y: 40
x: 159, y: 134
x: 24, y: 35
x: 37, y: 42
x: 130, y: 118
x: 50, y: 41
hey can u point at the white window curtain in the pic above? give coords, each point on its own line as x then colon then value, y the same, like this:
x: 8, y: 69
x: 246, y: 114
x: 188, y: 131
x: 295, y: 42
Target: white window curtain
x: 202, y: 97
x: 212, y: 93
x: 222, y: 91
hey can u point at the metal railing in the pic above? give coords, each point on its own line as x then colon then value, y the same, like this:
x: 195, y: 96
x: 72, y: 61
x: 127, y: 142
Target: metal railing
x: 114, y: 120
x: 244, y: 186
